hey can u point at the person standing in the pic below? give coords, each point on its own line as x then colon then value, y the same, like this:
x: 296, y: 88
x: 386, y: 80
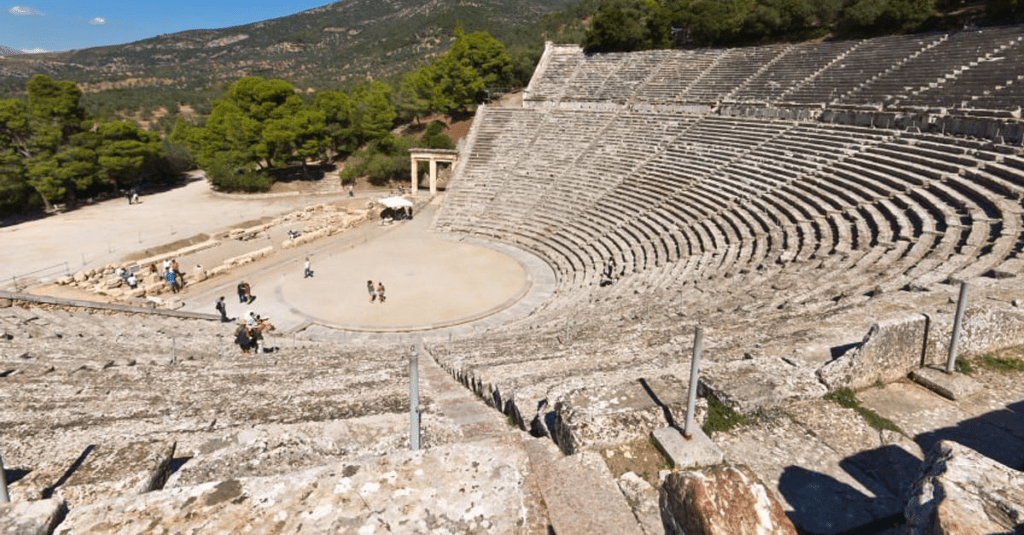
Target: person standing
x: 307, y: 272
x: 371, y: 290
x: 222, y: 307
x: 380, y: 292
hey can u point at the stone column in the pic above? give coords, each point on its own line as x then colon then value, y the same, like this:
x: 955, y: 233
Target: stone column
x: 415, y: 165
x: 433, y: 176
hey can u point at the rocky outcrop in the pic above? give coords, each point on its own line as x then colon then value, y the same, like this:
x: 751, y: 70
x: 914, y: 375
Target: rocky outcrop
x: 962, y: 492
x: 722, y: 500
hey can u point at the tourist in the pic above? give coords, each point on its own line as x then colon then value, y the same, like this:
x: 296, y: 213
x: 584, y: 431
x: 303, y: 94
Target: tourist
x: 372, y: 292
x: 380, y: 292
x: 171, y: 281
x: 222, y: 307
x: 306, y: 270
x: 245, y: 293
x: 133, y: 283
x: 246, y: 339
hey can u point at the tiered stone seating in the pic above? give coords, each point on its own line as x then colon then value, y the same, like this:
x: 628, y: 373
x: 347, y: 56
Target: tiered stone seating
x: 74, y: 381
x: 934, y: 66
x: 674, y: 75
x: 791, y: 68
x: 555, y: 73
x: 869, y: 59
x: 733, y: 68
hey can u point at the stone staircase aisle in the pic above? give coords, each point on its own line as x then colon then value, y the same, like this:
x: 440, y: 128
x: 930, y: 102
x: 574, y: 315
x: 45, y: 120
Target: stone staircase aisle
x: 562, y: 494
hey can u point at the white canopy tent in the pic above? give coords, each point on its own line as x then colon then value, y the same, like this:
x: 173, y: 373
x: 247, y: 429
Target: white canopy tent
x: 396, y: 202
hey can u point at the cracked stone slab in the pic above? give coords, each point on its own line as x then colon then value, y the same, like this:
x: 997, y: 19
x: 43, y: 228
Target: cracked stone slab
x: 460, y: 488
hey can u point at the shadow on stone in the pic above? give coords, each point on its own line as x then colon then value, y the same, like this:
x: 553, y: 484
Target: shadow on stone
x: 890, y: 467
x: 821, y: 504
x: 15, y: 474
x: 48, y: 491
x: 985, y: 434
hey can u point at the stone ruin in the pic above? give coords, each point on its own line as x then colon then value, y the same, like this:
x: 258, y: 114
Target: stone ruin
x: 815, y: 219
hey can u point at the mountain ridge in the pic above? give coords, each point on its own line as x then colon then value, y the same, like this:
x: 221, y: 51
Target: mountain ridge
x: 331, y: 45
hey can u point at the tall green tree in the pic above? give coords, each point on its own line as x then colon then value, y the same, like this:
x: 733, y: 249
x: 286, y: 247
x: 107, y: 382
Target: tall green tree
x: 460, y: 78
x: 126, y: 153
x: 628, y: 25
x: 337, y: 109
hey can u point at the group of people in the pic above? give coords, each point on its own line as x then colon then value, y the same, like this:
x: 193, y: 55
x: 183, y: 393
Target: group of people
x: 376, y: 292
x: 250, y: 332
x: 245, y: 293
x: 128, y: 277
x: 172, y: 274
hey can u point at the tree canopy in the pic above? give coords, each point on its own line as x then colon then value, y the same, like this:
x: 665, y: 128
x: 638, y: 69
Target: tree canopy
x: 52, y: 152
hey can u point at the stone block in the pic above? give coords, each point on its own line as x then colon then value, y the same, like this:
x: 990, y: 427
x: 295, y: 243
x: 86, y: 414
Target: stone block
x: 583, y: 498
x: 986, y: 328
x: 100, y: 472
x: 963, y: 492
x: 722, y: 500
x: 462, y: 488
x: 593, y: 417
x: 698, y: 450
x: 953, y: 386
x: 80, y: 276
x: 761, y: 381
x: 890, y: 351
x: 32, y: 518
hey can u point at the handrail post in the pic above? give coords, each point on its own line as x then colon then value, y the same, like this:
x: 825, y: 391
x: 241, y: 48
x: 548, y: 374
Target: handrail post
x: 691, y: 399
x: 414, y: 398
x: 954, y: 342
x: 4, y: 496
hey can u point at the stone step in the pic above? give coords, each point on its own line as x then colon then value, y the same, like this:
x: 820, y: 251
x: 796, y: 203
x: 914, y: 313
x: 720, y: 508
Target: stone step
x: 581, y: 495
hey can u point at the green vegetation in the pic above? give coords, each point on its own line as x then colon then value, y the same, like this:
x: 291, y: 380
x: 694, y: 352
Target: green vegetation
x: 1004, y: 365
x: 964, y: 366
x: 721, y: 418
x: 52, y: 152
x: 847, y: 399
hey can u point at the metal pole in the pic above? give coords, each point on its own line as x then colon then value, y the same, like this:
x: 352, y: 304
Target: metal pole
x: 957, y: 320
x: 414, y: 398
x: 4, y: 497
x: 698, y: 341
x: 174, y: 355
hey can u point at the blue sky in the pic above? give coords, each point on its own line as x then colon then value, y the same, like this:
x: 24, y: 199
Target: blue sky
x: 60, y: 25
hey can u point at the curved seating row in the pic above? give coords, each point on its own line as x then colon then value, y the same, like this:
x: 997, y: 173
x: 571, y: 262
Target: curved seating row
x: 968, y: 69
x: 746, y: 195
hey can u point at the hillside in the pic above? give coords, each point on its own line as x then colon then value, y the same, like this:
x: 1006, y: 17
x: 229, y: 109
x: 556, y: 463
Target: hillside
x: 7, y: 51
x: 326, y: 46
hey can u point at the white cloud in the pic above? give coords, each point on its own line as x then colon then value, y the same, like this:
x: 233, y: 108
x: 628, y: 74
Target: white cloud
x: 98, y: 21
x: 26, y: 10
x: 35, y: 51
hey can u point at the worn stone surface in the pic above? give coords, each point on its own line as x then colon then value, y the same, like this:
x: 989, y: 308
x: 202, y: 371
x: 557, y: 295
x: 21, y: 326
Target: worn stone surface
x: 761, y: 381
x: 31, y: 518
x: 596, y: 416
x: 820, y: 489
x: 266, y: 450
x: 985, y: 328
x: 965, y: 493
x: 582, y: 496
x: 950, y: 385
x: 890, y: 350
x: 463, y: 488
x: 99, y: 472
x: 643, y: 499
x: 722, y: 500
x: 698, y: 450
